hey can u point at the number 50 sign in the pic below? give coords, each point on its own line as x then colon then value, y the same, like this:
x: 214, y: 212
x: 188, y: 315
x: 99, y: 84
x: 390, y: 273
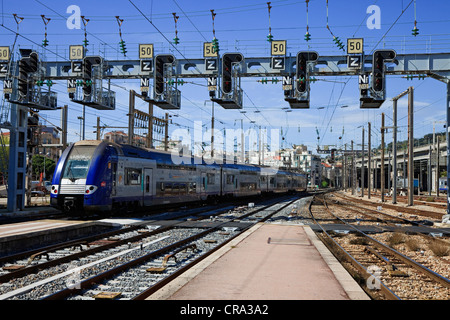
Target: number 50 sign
x: 355, y: 46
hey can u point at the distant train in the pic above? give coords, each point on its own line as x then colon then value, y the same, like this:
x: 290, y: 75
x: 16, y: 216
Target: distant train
x: 443, y: 185
x: 99, y: 176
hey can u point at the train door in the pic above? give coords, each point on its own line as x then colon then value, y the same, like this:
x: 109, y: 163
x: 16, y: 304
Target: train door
x: 148, y: 190
x: 114, y: 178
x: 204, y: 182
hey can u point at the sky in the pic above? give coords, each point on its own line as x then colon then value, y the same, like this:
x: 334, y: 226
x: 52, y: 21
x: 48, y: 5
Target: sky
x: 242, y: 26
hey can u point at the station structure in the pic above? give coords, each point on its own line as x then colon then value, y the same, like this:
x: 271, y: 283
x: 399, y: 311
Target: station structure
x: 27, y: 83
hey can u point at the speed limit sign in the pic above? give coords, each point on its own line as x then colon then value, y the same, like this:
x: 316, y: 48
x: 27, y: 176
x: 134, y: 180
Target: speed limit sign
x: 355, y: 46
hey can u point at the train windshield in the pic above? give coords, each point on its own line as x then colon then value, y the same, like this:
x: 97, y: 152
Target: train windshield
x: 78, y: 162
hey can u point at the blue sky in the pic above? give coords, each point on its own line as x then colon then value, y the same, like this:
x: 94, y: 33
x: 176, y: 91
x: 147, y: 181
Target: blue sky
x: 243, y: 27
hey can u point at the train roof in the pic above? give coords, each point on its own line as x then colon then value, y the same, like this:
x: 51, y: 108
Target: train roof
x: 166, y: 157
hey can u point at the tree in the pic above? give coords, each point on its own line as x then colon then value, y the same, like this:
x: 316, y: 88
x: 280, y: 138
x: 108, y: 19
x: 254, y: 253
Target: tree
x: 38, y: 166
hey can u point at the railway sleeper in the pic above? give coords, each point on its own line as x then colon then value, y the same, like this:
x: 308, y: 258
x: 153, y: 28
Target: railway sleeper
x: 391, y: 268
x: 172, y: 255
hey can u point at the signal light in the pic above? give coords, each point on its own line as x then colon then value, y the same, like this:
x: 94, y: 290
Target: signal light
x: 301, y: 72
x: 379, y: 57
x: 87, y: 76
x: 22, y: 81
x: 159, y: 82
x: 227, y: 60
x: 226, y: 74
x: 33, y: 65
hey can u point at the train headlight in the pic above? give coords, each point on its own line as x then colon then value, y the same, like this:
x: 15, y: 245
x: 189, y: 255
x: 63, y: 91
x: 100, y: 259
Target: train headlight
x: 54, y: 189
x: 90, y: 189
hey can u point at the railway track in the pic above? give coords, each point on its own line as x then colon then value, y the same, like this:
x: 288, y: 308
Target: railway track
x: 409, y: 210
x: 150, y: 257
x: 388, y: 265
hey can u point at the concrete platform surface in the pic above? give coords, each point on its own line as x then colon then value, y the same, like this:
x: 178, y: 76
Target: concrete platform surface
x: 292, y: 265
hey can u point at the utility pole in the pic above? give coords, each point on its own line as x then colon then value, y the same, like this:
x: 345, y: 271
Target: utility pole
x: 64, y: 128
x: 394, y: 146
x: 362, y: 165
x: 404, y: 168
x: 394, y: 150
x: 98, y: 129
x: 382, y: 157
x: 84, y: 123
x: 447, y: 135
x: 375, y: 169
x: 166, y: 133
x: 212, y: 131
x: 353, y: 171
x: 437, y: 166
x: 150, y: 126
x: 345, y: 169
x: 389, y: 171
x: 411, y: 146
x: 131, y: 118
x: 369, y: 161
x: 429, y: 173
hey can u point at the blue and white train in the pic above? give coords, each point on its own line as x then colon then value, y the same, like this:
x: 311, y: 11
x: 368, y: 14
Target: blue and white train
x: 104, y: 176
x: 443, y: 185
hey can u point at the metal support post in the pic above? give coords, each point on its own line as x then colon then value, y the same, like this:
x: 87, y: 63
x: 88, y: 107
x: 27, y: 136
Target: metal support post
x: 394, y: 150
x: 437, y: 167
x: 345, y: 169
x: 369, y: 161
x: 446, y: 217
x: 98, y: 129
x: 382, y: 158
x: 353, y: 170
x: 131, y: 118
x: 362, y: 166
x: 17, y: 169
x: 411, y: 146
x: 389, y: 172
x: 166, y: 133
x: 150, y: 126
x: 429, y: 172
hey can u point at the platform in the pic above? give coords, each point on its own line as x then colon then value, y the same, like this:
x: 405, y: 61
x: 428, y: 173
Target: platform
x: 267, y: 262
x: 35, y: 234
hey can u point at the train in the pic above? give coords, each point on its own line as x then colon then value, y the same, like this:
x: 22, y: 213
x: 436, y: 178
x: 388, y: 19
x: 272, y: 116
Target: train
x: 443, y: 185
x: 94, y: 176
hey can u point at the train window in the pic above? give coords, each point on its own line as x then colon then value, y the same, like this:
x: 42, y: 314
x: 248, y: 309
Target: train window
x: 211, y: 178
x: 175, y: 189
x: 147, y: 184
x: 272, y: 180
x: 78, y: 162
x: 160, y: 188
x: 230, y: 179
x: 132, y: 176
x: 168, y: 189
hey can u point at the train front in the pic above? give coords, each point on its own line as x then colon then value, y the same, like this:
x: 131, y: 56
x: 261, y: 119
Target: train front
x: 75, y: 181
